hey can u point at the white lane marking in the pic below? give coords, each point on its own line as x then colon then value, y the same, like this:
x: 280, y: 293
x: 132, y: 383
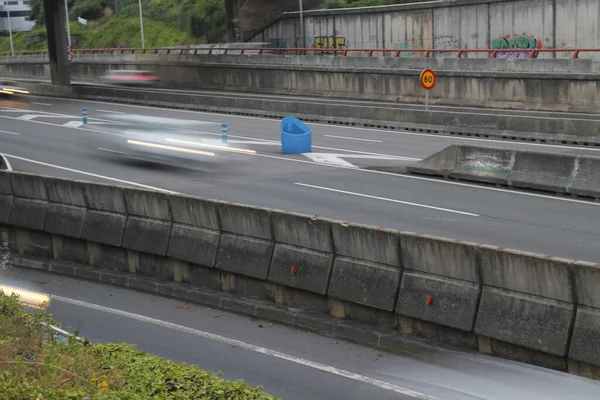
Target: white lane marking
x: 352, y: 138
x: 247, y: 346
x: 41, y: 104
x: 259, y: 142
x: 112, y: 151
x: 338, y: 159
x: 73, y: 124
x: 386, y: 199
x: 10, y: 133
x: 59, y: 126
x: 27, y: 117
x: 110, y: 111
x: 46, y: 114
x: 329, y: 159
x: 475, y: 139
x: 88, y: 173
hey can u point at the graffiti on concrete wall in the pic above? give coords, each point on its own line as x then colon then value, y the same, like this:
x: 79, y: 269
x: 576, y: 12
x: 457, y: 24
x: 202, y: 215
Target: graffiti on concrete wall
x: 329, y: 42
x: 237, y: 32
x: 447, y: 42
x: 523, y: 41
x: 400, y: 46
x: 277, y: 43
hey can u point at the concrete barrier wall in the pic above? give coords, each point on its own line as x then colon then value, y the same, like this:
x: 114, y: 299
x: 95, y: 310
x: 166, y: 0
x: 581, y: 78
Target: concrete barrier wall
x: 546, y: 85
x: 356, y: 282
x: 559, y: 173
x: 467, y: 24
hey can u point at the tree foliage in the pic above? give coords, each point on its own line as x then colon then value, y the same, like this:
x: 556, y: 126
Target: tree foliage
x: 202, y: 19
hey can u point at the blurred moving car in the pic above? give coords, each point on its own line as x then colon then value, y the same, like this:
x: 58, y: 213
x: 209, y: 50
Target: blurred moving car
x: 130, y: 77
x: 8, y: 87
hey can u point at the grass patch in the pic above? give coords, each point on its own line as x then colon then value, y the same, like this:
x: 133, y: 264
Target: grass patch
x: 34, y: 365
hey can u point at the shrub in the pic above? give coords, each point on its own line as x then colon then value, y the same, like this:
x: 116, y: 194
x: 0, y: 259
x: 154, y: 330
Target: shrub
x: 33, y: 365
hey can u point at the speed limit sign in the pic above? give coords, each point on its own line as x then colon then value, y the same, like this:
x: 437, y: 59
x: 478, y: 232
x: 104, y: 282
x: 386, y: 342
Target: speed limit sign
x: 428, y: 79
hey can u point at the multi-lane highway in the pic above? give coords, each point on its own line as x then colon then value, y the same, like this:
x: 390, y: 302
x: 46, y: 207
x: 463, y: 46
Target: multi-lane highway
x: 44, y: 135
x: 291, y: 364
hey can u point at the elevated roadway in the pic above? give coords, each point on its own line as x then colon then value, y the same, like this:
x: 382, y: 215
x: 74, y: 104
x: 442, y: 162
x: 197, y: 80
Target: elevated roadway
x: 43, y: 136
x: 291, y: 364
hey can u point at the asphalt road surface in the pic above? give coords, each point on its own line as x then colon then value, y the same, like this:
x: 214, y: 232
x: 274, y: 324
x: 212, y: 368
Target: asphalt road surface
x: 289, y: 363
x: 338, y: 180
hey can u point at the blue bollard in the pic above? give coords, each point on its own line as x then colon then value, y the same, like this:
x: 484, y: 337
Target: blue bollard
x: 85, y: 116
x: 224, y: 133
x: 296, y: 137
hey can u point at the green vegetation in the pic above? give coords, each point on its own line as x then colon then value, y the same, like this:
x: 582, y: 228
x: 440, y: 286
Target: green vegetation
x: 33, y: 365
x: 115, y: 23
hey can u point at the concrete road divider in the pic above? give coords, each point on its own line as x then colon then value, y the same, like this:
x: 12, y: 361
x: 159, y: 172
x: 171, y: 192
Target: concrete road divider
x: 355, y: 282
x: 559, y: 173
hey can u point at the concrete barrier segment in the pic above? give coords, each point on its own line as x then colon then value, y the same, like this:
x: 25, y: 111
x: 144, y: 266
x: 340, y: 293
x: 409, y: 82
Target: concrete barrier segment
x: 364, y: 282
x: 202, y: 213
x: 543, y: 171
x: 245, y: 220
x: 244, y: 255
x: 439, y: 299
x: 586, y: 180
x: 557, y: 173
x: 530, y: 321
x: 147, y: 204
x: 366, y: 242
x: 301, y: 230
x: 585, y: 341
x: 525, y: 272
x: 440, y: 256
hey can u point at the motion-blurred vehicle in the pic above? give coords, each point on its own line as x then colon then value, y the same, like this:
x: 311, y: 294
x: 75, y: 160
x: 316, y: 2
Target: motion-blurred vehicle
x: 130, y: 78
x: 8, y: 88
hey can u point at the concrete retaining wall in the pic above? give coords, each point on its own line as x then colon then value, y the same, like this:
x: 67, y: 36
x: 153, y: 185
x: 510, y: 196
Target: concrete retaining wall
x: 356, y: 282
x: 467, y: 24
x: 559, y: 173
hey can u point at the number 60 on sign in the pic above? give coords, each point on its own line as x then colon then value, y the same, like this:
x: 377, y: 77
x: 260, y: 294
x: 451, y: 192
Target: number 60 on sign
x: 428, y: 79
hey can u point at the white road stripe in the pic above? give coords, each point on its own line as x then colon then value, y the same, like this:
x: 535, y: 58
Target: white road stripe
x: 247, y: 346
x: 386, y: 199
x: 73, y: 124
x: 10, y: 133
x: 42, y: 104
x: 352, y: 138
x: 109, y: 111
x: 88, y: 173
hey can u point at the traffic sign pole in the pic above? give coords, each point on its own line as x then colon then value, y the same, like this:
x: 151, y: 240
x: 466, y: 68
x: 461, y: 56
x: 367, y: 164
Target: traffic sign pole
x: 428, y: 81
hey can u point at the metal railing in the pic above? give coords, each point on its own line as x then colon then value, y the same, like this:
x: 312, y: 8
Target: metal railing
x: 427, y: 53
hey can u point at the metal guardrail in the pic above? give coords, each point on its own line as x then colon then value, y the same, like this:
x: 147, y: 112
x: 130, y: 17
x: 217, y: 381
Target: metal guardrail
x: 427, y: 53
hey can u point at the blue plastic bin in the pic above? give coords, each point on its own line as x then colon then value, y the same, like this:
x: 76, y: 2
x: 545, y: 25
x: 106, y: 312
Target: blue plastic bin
x: 296, y: 137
